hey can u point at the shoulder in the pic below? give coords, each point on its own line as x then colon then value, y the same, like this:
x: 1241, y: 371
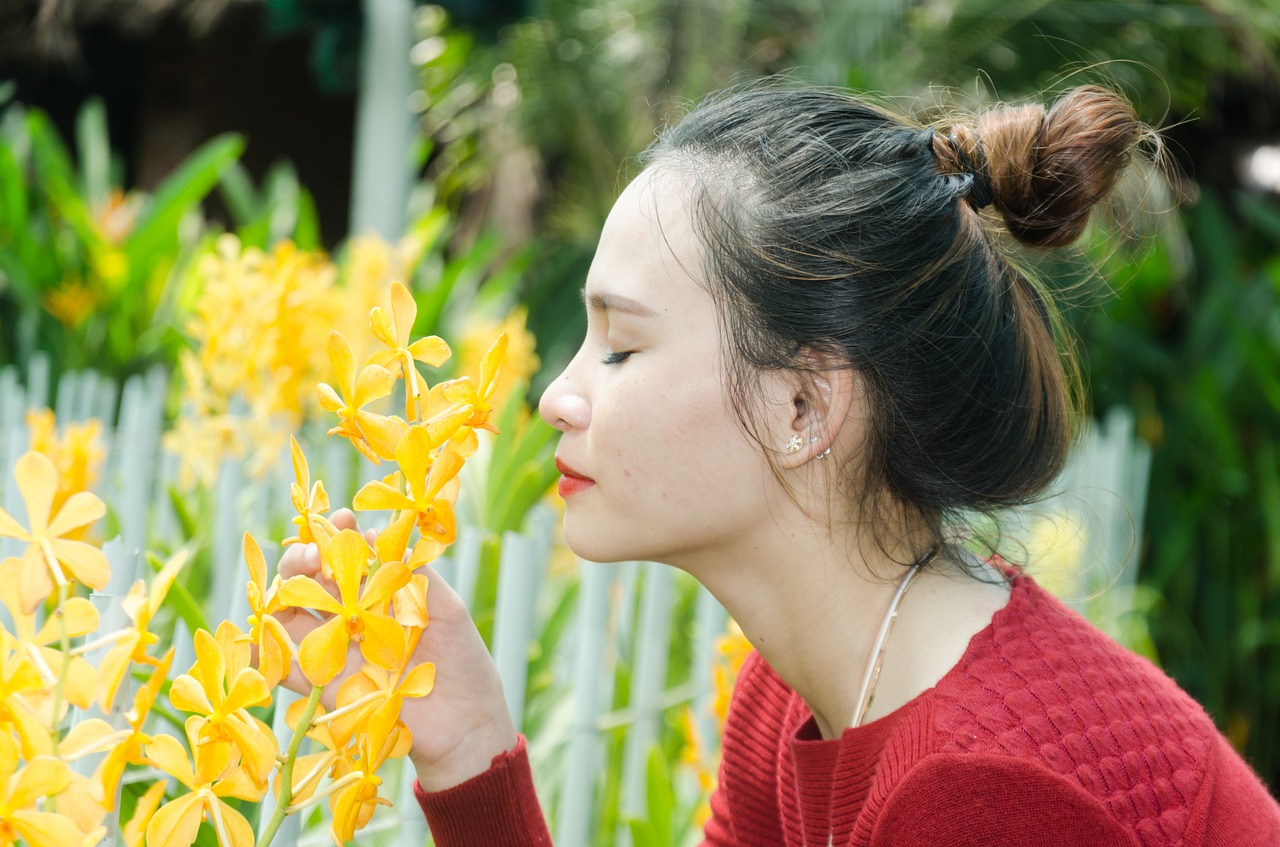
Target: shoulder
x: 955, y: 800
x: 1045, y: 697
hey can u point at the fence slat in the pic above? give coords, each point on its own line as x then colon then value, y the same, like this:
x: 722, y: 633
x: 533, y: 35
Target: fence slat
x: 648, y: 684
x: 519, y: 576
x: 574, y: 819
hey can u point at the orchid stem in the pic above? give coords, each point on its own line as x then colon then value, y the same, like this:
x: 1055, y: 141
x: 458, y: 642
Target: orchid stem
x: 65, y: 642
x: 286, y: 774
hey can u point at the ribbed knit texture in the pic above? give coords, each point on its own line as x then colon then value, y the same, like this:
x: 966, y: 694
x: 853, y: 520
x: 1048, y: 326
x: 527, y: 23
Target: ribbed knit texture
x: 1045, y: 733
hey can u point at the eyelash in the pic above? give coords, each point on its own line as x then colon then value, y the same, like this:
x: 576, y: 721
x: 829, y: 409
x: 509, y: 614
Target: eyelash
x: 616, y: 358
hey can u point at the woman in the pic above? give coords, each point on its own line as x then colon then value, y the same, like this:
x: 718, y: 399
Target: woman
x: 807, y: 355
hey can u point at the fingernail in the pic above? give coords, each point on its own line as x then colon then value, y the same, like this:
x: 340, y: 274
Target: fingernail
x: 312, y: 555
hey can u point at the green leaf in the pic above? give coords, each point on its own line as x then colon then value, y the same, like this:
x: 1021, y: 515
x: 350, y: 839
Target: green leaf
x: 237, y: 191
x: 306, y: 234
x: 179, y: 194
x: 186, y: 606
x: 13, y: 200
x: 642, y: 834
x: 660, y: 794
x: 95, y: 153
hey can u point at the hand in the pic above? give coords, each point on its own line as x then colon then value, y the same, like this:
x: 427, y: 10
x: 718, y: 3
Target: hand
x: 463, y: 723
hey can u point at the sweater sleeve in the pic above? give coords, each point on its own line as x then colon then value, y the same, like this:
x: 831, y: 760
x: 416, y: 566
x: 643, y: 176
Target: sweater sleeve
x: 976, y: 800
x: 497, y: 808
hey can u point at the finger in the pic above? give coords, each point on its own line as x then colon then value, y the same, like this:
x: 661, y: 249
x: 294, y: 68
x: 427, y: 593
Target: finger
x: 299, y: 560
x: 344, y: 518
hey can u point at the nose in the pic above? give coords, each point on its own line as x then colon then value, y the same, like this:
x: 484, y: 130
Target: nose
x: 564, y: 405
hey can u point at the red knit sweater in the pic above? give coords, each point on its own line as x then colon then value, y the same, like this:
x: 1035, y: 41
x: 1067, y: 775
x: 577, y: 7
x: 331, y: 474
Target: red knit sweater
x: 1045, y: 733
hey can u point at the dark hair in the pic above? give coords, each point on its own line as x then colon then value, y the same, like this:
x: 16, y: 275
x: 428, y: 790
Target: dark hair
x: 832, y: 226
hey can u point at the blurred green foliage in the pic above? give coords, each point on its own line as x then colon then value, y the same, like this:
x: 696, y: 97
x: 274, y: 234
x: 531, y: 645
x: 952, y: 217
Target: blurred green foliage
x: 88, y: 272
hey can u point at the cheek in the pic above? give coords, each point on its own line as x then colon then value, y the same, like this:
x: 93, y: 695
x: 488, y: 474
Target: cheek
x: 674, y: 441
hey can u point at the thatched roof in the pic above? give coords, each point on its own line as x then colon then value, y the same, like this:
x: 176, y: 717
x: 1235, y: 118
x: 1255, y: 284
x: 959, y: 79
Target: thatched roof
x: 46, y: 29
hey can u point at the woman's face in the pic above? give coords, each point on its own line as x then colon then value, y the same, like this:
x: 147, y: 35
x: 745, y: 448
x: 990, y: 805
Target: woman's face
x: 656, y: 464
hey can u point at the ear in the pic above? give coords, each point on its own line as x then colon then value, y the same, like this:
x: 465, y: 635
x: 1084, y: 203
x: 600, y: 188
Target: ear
x: 822, y: 405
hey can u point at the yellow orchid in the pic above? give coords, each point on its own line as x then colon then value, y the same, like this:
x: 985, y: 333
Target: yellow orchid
x: 383, y: 692
x: 218, y: 691
x: 76, y: 617
x: 176, y: 823
x: 373, y: 435
x: 51, y: 555
x: 132, y: 643
x: 19, y: 792
x: 409, y: 604
x: 426, y: 478
x: 82, y: 803
x: 21, y: 681
x: 136, y: 828
x: 275, y: 648
x: 76, y: 456
x: 393, y: 330
x: 519, y: 364
x: 334, y: 761
x: 356, y: 617
x: 131, y: 749
x: 352, y: 806
x: 310, y: 501
x: 478, y: 396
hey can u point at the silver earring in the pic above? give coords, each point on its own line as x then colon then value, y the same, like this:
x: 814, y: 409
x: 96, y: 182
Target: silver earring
x: 794, y: 444
x: 825, y: 453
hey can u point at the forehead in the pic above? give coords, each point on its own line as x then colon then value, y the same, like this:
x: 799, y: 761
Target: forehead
x: 649, y: 250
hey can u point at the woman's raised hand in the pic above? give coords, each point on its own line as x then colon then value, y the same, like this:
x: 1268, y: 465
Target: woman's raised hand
x: 463, y: 723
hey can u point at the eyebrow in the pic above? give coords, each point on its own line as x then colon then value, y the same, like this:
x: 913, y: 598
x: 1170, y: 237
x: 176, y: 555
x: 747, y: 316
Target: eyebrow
x: 599, y: 302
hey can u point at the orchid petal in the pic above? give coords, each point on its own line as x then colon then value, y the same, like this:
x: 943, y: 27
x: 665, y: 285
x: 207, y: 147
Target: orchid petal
x: 187, y: 695
x: 81, y: 509
x: 38, y: 481
x: 431, y: 350
x: 420, y: 681
x: 376, y: 496
x: 393, y: 540
x: 87, y: 563
x: 409, y: 604
x: 176, y: 823
x: 405, y: 310
x: 343, y: 361
x: 391, y: 577
x: 166, y: 753
x: 248, y: 689
x: 305, y: 592
x: 348, y: 557
x: 44, y: 829
x: 10, y: 528
x: 384, y: 641
x: 255, y: 561
x: 323, y: 652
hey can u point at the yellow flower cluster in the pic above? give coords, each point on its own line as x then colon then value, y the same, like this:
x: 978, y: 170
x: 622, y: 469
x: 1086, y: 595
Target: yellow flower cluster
x: 258, y: 330
x: 227, y: 753
x: 77, y: 454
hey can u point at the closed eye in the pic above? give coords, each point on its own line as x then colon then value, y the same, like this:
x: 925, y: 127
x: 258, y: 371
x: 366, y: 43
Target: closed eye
x: 616, y: 358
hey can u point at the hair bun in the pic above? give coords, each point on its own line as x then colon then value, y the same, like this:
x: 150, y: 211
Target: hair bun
x: 1049, y: 169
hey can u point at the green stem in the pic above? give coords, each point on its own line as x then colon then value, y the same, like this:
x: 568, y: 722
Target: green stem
x: 65, y: 642
x: 286, y: 774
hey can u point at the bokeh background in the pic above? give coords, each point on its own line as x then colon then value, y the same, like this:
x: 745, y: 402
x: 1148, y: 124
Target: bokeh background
x: 134, y: 132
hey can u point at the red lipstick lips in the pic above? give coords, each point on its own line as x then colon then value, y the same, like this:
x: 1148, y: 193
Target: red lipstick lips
x: 571, y: 482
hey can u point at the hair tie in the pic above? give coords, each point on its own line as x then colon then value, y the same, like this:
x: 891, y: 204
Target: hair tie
x: 981, y: 194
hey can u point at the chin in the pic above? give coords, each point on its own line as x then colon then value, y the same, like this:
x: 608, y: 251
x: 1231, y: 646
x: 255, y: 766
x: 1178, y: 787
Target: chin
x: 593, y: 548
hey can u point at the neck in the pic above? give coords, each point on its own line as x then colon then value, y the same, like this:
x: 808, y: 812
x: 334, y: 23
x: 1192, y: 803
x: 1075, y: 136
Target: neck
x: 812, y: 604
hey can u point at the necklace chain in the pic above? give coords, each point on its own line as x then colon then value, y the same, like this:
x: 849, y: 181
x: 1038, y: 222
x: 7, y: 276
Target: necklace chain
x: 867, y: 692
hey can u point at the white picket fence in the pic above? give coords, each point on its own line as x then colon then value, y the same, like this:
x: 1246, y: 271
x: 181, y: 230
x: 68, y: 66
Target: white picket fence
x: 623, y: 612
